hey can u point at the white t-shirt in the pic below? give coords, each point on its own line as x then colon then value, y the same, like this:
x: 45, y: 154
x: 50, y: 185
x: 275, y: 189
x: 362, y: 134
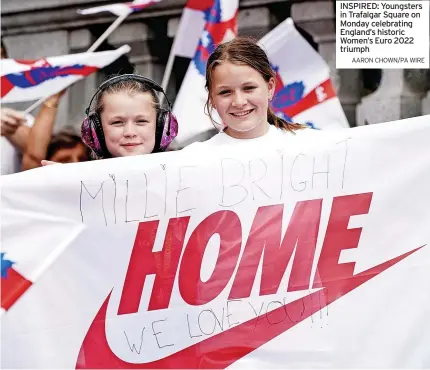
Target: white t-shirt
x: 273, y: 136
x: 10, y: 156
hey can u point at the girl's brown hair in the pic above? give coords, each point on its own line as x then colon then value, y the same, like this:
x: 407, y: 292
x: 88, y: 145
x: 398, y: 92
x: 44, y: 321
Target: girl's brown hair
x: 245, y: 50
x: 131, y: 86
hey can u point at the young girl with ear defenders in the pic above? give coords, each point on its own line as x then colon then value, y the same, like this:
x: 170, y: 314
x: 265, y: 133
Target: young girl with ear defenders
x: 127, y: 119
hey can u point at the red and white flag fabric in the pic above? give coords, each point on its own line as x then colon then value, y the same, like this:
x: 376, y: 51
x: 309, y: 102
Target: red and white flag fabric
x: 120, y: 9
x: 221, y: 26
x: 304, y: 91
x: 27, y: 80
x: 194, y: 16
x: 22, y: 264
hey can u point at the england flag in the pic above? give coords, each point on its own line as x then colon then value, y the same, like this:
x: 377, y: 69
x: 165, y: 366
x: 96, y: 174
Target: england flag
x: 27, y: 80
x: 120, y: 9
x: 221, y: 26
x: 304, y: 90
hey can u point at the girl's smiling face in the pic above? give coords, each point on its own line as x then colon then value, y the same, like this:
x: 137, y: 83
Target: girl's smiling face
x: 241, y: 97
x: 129, y: 123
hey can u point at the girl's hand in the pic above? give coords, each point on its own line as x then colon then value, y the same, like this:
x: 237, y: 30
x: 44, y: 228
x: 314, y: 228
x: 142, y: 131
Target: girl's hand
x: 10, y: 121
x: 47, y: 163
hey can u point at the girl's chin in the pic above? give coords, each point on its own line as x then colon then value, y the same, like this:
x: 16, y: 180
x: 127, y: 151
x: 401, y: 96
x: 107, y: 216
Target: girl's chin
x: 242, y: 126
x: 134, y: 151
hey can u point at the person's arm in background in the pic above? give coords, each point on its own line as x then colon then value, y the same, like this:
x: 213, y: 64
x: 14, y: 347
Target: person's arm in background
x: 13, y: 128
x: 41, y: 133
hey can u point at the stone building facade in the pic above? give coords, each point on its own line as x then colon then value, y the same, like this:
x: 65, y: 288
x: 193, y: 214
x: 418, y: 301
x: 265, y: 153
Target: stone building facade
x: 37, y: 28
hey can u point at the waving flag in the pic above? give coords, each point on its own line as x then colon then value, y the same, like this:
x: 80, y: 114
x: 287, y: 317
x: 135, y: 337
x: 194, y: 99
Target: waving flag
x: 194, y: 16
x: 120, y: 9
x: 26, y: 80
x: 12, y: 282
x: 21, y: 263
x: 304, y: 91
x: 221, y: 26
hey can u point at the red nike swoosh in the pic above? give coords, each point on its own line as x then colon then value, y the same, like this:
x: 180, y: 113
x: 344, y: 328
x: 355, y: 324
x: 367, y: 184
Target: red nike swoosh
x: 227, y: 347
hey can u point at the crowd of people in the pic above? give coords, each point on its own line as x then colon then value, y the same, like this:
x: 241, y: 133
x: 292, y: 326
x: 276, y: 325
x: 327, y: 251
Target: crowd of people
x: 125, y: 117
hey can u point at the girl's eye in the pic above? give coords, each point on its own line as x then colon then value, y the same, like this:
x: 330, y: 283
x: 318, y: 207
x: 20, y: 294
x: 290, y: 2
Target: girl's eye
x: 224, y: 92
x: 116, y: 123
x: 142, y: 121
x: 249, y: 88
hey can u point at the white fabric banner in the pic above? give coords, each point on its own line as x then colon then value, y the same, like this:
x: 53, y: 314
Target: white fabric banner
x: 309, y: 254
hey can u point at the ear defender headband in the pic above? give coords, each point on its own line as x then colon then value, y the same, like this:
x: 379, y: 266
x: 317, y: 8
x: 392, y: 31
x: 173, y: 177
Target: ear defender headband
x: 166, y: 124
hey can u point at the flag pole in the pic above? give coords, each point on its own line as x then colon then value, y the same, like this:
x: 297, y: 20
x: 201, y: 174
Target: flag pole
x: 35, y: 105
x: 91, y: 49
x: 105, y: 34
x: 168, y: 71
x: 169, y: 65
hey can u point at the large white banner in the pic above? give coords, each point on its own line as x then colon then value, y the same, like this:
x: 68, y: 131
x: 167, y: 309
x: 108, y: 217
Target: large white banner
x: 309, y: 253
